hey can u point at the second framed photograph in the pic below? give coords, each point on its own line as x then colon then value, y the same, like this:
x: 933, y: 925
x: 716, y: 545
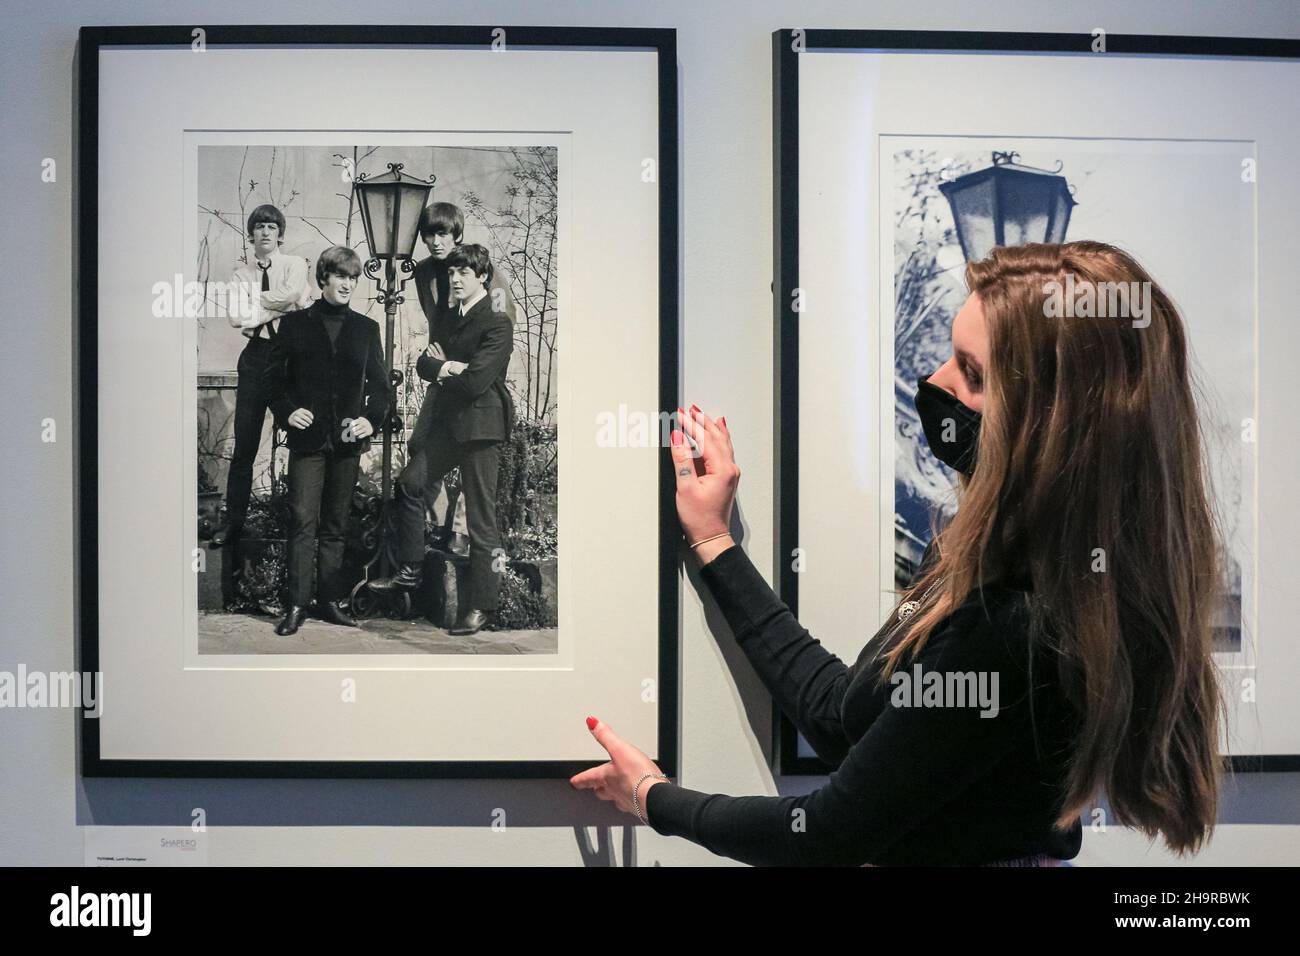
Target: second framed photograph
x: 901, y: 157
x: 354, y: 305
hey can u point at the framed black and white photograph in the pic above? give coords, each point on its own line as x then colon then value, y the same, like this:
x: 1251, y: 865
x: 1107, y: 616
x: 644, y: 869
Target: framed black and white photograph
x: 944, y: 145
x: 360, y: 312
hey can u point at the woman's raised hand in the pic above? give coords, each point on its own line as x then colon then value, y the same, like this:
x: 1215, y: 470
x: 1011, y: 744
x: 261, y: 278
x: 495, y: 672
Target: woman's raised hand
x: 707, y: 475
x: 616, y: 780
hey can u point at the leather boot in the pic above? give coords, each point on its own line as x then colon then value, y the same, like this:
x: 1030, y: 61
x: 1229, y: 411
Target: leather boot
x: 224, y: 534
x: 332, y: 612
x: 471, y: 623
x: 407, y: 578
x: 292, y: 620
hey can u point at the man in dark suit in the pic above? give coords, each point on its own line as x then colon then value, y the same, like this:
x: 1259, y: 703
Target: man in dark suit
x: 467, y: 416
x: 328, y: 388
x: 442, y: 228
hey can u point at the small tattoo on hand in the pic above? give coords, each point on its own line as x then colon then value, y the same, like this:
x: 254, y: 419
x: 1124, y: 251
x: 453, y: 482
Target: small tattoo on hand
x: 684, y: 472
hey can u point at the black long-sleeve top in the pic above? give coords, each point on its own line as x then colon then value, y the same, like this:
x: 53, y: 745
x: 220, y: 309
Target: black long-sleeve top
x: 921, y: 785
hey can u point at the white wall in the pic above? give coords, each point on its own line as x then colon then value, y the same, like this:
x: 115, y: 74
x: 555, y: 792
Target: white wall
x: 726, y: 250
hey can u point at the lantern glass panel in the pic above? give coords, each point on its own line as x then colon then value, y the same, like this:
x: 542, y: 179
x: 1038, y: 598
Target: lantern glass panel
x: 1061, y: 206
x: 974, y: 207
x: 379, y: 208
x: 1025, y: 203
x: 412, y: 199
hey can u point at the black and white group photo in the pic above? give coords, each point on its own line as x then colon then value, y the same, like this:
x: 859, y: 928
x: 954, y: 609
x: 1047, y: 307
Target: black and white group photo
x: 376, y: 425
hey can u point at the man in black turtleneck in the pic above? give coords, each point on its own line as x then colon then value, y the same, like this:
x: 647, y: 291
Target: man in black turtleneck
x: 328, y: 388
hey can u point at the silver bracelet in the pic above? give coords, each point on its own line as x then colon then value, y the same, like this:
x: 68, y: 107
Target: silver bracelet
x: 636, y: 804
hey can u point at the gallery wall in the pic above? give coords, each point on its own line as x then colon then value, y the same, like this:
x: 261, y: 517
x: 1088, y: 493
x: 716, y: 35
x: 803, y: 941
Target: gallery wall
x: 725, y: 129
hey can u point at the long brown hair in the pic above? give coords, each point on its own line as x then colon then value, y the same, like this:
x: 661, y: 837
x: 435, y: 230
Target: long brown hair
x: 1089, y: 482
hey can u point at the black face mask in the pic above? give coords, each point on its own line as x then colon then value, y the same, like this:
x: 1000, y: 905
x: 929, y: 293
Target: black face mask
x: 943, y: 417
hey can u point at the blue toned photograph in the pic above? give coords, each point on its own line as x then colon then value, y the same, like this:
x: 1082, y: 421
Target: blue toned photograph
x: 954, y: 198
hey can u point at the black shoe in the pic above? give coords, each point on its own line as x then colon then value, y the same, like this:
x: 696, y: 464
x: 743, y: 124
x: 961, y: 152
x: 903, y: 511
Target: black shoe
x: 292, y: 620
x: 331, y: 612
x: 224, y: 534
x: 407, y: 578
x: 471, y: 623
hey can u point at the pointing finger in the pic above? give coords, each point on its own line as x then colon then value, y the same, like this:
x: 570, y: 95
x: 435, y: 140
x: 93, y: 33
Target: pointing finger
x: 590, y: 779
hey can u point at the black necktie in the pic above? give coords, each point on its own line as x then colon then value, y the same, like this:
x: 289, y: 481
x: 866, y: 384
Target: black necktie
x: 266, y: 287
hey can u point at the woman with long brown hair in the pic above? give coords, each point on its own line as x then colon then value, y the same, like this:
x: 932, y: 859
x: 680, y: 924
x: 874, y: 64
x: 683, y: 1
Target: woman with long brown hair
x: 1075, y: 581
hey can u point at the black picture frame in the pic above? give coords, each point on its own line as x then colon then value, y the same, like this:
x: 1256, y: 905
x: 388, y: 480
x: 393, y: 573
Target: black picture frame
x: 788, y: 45
x: 93, y: 40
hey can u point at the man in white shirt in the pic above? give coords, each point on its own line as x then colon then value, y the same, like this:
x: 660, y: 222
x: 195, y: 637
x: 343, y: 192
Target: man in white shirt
x: 280, y: 284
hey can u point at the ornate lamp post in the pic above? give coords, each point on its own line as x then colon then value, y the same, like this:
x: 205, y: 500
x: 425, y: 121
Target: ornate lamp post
x: 390, y: 212
x: 1007, y: 204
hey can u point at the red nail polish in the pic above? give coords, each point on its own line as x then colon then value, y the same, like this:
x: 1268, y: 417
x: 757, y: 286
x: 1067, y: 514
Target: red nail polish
x: 723, y: 421
x: 676, y: 437
x: 591, y: 723
x: 695, y: 408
